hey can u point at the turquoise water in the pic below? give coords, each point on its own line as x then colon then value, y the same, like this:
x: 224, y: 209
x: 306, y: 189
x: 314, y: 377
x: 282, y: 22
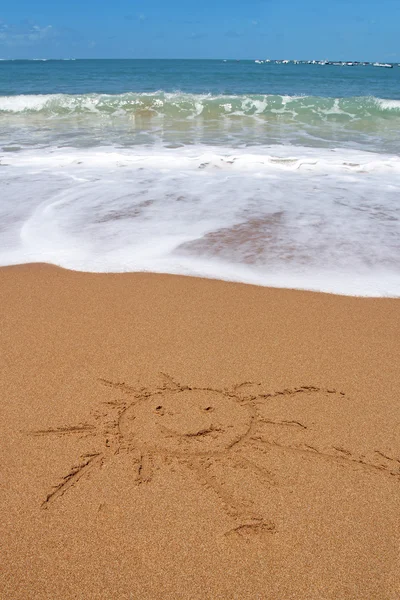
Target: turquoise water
x: 219, y: 102
x: 272, y: 174
x: 195, y: 77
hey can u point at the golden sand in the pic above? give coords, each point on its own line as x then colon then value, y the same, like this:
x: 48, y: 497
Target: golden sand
x: 167, y: 437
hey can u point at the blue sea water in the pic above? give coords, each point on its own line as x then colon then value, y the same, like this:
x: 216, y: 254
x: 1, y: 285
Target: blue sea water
x: 195, y: 77
x: 275, y: 174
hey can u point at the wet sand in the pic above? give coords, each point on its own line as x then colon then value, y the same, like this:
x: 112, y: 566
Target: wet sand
x: 172, y: 437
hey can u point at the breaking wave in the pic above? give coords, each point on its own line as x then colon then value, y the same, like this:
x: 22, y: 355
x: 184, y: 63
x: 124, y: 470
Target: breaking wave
x: 191, y: 106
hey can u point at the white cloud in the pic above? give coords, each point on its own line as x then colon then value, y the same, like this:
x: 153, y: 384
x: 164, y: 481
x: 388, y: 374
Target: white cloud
x: 24, y: 34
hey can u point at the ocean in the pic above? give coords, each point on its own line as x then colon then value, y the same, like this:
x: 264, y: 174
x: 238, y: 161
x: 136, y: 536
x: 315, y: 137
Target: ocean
x: 284, y: 175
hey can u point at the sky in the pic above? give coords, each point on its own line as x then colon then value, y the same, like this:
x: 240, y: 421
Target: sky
x: 290, y: 29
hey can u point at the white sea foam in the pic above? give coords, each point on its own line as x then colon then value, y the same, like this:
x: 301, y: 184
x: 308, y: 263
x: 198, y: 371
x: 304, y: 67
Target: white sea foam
x: 279, y: 216
x: 21, y: 103
x: 388, y: 104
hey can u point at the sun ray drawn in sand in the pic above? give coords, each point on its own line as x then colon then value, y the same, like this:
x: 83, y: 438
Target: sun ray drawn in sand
x: 209, y: 432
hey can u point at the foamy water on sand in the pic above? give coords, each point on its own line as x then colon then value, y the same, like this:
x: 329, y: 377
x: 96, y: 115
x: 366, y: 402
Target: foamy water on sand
x: 279, y: 216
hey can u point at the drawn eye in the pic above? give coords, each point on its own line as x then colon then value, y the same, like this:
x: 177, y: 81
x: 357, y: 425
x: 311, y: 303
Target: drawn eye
x: 208, y: 408
x: 158, y: 408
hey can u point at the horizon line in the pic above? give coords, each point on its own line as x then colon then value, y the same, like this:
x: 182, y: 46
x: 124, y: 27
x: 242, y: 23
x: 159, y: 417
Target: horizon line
x: 301, y: 60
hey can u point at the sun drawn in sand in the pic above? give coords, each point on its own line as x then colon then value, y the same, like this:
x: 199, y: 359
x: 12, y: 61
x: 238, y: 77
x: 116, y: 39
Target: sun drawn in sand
x: 209, y: 433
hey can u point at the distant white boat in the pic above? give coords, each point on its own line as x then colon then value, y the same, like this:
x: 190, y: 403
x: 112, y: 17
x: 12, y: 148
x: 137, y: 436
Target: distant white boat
x: 384, y: 65
x: 259, y: 62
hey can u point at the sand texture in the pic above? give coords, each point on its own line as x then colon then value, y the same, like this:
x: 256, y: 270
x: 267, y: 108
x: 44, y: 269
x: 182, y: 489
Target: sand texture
x: 166, y: 437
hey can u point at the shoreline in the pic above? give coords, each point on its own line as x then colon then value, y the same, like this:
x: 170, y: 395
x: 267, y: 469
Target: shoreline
x: 167, y: 436
x: 278, y: 288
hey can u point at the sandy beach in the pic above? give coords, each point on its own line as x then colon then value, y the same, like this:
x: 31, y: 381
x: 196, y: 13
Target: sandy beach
x: 166, y: 437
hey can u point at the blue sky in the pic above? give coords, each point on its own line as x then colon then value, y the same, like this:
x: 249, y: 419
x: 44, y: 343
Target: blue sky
x: 343, y: 29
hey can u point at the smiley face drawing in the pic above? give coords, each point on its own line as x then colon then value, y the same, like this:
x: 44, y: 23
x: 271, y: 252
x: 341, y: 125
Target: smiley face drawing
x: 211, y: 433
